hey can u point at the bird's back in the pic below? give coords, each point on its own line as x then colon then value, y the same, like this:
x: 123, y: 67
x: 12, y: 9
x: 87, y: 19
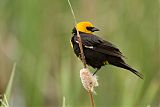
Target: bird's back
x: 93, y: 58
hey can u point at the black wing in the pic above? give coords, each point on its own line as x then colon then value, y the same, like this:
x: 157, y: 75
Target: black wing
x: 100, y: 45
x: 114, y: 55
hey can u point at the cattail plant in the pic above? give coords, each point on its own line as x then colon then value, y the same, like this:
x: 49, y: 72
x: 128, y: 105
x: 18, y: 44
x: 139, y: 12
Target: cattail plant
x: 88, y: 80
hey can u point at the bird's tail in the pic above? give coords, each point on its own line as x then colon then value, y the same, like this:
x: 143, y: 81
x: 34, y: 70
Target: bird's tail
x: 126, y: 66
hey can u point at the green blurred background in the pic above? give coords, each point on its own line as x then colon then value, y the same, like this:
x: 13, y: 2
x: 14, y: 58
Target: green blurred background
x: 36, y: 34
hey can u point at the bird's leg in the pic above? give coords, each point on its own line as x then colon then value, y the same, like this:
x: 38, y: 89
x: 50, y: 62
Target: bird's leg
x: 95, y: 71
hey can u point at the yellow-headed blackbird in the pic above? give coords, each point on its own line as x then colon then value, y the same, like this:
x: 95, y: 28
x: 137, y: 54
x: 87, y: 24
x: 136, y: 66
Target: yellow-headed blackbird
x: 97, y: 52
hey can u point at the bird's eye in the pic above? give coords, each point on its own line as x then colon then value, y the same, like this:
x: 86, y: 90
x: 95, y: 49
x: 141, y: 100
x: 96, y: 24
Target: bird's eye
x: 89, y: 28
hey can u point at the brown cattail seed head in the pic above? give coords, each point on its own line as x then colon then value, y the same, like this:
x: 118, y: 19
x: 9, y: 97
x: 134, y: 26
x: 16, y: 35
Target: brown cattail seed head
x: 89, y: 80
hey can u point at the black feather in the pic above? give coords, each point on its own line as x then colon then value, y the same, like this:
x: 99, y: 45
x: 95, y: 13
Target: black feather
x: 97, y: 51
x: 119, y: 62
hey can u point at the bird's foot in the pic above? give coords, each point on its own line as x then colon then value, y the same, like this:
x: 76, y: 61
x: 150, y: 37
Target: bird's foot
x: 95, y: 72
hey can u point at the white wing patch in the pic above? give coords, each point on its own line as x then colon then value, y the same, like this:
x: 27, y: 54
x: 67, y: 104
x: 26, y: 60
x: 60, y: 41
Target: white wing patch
x: 90, y: 47
x: 77, y: 42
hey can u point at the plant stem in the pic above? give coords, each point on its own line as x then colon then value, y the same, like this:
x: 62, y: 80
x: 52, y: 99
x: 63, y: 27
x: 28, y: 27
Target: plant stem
x: 81, y: 51
x: 91, y: 98
x: 79, y: 37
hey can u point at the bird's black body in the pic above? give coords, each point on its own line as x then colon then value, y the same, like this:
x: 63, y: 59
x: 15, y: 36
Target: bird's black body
x: 99, y: 52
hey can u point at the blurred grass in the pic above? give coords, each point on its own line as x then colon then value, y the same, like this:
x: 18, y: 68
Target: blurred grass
x: 64, y: 102
x: 36, y: 33
x: 6, y: 97
x: 10, y: 83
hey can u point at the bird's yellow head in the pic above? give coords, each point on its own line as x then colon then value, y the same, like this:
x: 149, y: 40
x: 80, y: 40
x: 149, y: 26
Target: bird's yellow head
x: 86, y: 27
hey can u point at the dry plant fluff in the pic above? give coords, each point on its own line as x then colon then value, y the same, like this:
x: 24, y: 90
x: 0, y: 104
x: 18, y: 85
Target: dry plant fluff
x: 88, y: 80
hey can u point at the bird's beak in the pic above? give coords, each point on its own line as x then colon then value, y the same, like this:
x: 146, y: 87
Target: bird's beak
x: 94, y: 29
